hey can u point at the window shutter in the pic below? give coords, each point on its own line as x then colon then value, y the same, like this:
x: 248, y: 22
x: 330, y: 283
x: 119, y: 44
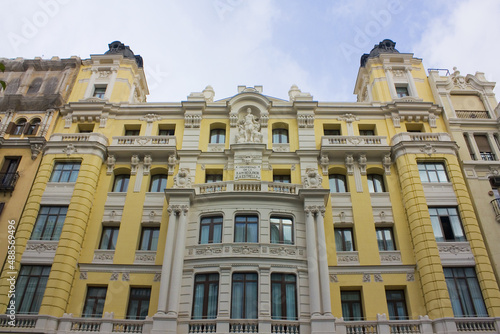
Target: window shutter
x: 482, y: 143
x: 26, y: 128
x: 10, y: 127
x: 35, y: 129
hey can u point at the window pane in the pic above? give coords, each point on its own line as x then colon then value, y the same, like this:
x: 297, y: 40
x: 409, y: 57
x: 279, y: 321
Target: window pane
x: 30, y: 288
x: 465, y: 293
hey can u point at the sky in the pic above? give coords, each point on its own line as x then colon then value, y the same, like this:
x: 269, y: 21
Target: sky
x: 189, y: 44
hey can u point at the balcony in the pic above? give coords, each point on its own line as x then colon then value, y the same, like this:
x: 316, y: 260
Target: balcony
x: 247, y: 186
x: 9, y: 181
x: 488, y: 156
x: 338, y: 146
x: 159, y: 147
x: 496, y: 207
x: 473, y: 114
x: 79, y: 137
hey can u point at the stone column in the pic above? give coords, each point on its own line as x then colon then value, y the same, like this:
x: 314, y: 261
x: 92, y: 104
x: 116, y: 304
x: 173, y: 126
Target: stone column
x: 323, y: 263
x: 175, y: 284
x: 167, y: 261
x: 312, y: 263
x: 493, y: 145
x: 390, y: 81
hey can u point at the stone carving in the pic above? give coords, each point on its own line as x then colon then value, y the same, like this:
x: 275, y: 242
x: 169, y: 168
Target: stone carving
x: 249, y: 129
x: 134, y: 163
x: 110, y: 163
x: 70, y: 149
x: 83, y: 275
x: 398, y: 73
x: 348, y: 118
x: 282, y: 251
x: 333, y: 278
x: 306, y: 121
x: 347, y: 258
x: 209, y: 93
x: 458, y: 80
x: 157, y: 277
x: 192, y: 121
x: 35, y: 150
x: 428, y: 149
x: 233, y: 120
x: 454, y: 249
x: 387, y: 162
x: 342, y: 216
x: 172, y: 161
x: 377, y: 278
x: 410, y: 277
x: 246, y: 250
x: 349, y: 163
x: 209, y: 251
x: 114, y: 277
x: 183, y: 178
x: 362, y: 163
x: 145, y: 258
x: 312, y: 179
x: 366, y: 278
x: 102, y: 122
x: 390, y: 257
x: 150, y: 118
x: 147, y: 164
x: 325, y: 162
x: 40, y: 248
x: 396, y: 120
x: 126, y: 277
x: 67, y: 121
x: 432, y: 120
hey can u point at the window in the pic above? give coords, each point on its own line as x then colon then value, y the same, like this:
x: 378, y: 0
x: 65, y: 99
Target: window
x: 138, y: 304
x: 85, y: 128
x: 149, y: 238
x: 385, y: 239
x: 30, y: 288
x: 217, y: 136
x: 484, y: 148
x: 33, y: 127
x: 65, y: 172
x: 351, y: 305
x: 206, y: 295
x: 465, y: 293
x: 376, y: 183
x: 281, y: 178
x: 9, y: 174
x: 158, y: 183
x: 94, y: 302
x: 244, y: 296
x: 18, y: 128
x: 281, y: 230
x: 121, y: 183
x: 166, y: 132
x: 246, y: 228
x: 280, y: 136
x: 34, y: 86
x: 332, y: 132
x: 343, y: 240
x: 213, y: 177
x: 108, y: 238
x: 283, y: 297
x: 402, y: 91
x: 366, y: 132
x: 49, y: 223
x: 99, y: 91
x: 446, y: 224
x: 432, y: 172
x: 132, y: 132
x: 211, y: 230
x: 396, y: 304
x: 337, y: 183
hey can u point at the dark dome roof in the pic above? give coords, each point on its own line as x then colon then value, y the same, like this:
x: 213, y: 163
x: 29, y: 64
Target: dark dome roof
x: 118, y: 47
x: 386, y: 46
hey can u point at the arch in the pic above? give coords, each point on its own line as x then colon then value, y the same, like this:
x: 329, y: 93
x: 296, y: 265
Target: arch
x: 35, y: 86
x: 32, y: 126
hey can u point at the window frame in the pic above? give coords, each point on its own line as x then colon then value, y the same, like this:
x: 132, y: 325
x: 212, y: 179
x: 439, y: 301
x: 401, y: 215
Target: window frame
x: 71, y: 168
x: 400, y: 94
x: 159, y: 179
x: 149, y: 242
x: 100, y: 91
x: 143, y: 303
x: 247, y: 280
x: 454, y: 283
x: 97, y: 299
x: 283, y: 294
x: 170, y: 132
x: 122, y: 187
x: 282, y: 178
x: 350, y: 303
x: 19, y: 127
x: 246, y: 229
x: 43, y: 221
x: 439, y: 174
x: 376, y: 183
x: 281, y: 229
x: 211, y: 222
x: 25, y: 281
x: 217, y: 136
x: 454, y: 226
x: 394, y: 305
x: 112, y: 239
x: 382, y: 243
x: 343, y: 245
x: 208, y: 283
x: 32, y: 127
x: 213, y: 177
x: 280, y: 136
x: 337, y: 187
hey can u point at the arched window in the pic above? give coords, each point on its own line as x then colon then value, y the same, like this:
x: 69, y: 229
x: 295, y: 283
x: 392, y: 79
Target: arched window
x: 35, y: 86
x: 158, y: 183
x: 376, y: 183
x: 18, y: 128
x: 280, y: 136
x: 33, y: 127
x: 121, y: 183
x: 217, y: 136
x: 337, y: 183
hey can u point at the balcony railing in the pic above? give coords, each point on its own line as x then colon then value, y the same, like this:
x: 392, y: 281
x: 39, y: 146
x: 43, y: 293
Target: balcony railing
x: 472, y: 114
x: 420, y: 136
x: 8, y: 181
x: 149, y: 141
x: 496, y: 207
x: 366, y: 141
x: 247, y: 186
x: 488, y: 156
x: 80, y: 137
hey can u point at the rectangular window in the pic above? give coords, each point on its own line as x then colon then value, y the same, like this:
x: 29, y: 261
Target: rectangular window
x: 9, y: 174
x: 30, y: 288
x: 138, y: 304
x: 158, y: 183
x: 213, y: 177
x: 65, y: 171
x: 132, y: 132
x: 211, y: 230
x: 281, y: 178
x: 366, y: 132
x: 283, y: 297
x: 337, y: 183
x: 446, y: 224
x: 343, y: 240
x: 246, y: 228
x: 385, y: 239
x: 217, y: 136
x: 396, y: 304
x: 281, y: 230
x: 351, y: 305
x: 166, y: 132
x: 206, y: 295
x: 376, y: 183
x: 149, y: 238
x: 121, y: 183
x: 244, y: 295
x: 483, y: 145
x: 432, y: 172
x: 465, y: 293
x: 49, y: 223
x: 109, y: 237
x: 402, y: 91
x: 99, y: 91
x: 94, y: 302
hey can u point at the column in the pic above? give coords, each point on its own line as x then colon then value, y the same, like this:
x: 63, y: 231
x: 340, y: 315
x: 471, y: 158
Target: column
x: 312, y: 263
x: 390, y: 82
x: 175, y: 284
x: 167, y: 261
x: 413, y: 89
x: 493, y: 145
x: 323, y: 263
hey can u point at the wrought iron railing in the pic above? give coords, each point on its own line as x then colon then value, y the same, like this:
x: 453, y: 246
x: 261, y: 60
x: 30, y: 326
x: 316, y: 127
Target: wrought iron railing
x: 8, y: 180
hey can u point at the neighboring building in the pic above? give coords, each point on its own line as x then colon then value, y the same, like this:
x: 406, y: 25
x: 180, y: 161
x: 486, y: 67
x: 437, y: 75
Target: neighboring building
x: 252, y: 214
x: 470, y: 114
x: 29, y: 106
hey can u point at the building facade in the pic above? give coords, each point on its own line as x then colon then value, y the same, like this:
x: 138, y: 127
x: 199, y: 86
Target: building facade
x: 251, y: 214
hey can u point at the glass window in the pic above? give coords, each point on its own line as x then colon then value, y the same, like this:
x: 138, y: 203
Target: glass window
x: 402, y: 91
x: 19, y: 127
x: 280, y: 136
x: 49, y: 223
x: 213, y: 177
x: 217, y: 136
x: 132, y: 132
x: 138, y: 304
x: 343, y: 240
x: 396, y: 304
x: 99, y: 91
x: 385, y: 239
x: 65, y: 171
x: 331, y: 132
x: 211, y: 230
x: 30, y: 287
x: 281, y: 230
x: 109, y: 237
x: 367, y: 132
x: 281, y: 178
x: 205, y: 297
x: 432, y: 172
x: 283, y: 297
x: 158, y: 183
x: 166, y: 132
x: 94, y: 302
x: 149, y: 238
x: 337, y: 183
x: 9, y: 174
x: 446, y: 224
x: 244, y: 295
x: 121, y: 183
x: 33, y: 127
x: 246, y: 228
x: 465, y: 293
x: 376, y: 183
x: 351, y: 305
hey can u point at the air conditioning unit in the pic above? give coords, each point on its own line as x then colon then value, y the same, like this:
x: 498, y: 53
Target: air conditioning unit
x: 495, y: 181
